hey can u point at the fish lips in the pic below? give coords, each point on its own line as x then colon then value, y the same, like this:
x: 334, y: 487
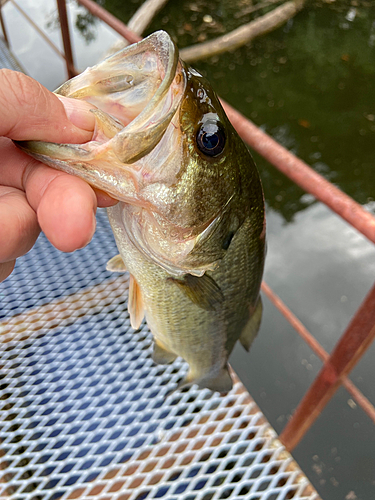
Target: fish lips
x: 135, y: 93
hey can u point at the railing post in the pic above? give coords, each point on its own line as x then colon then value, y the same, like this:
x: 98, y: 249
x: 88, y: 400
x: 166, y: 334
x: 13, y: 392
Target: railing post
x: 347, y: 352
x: 5, y: 34
x: 61, y: 5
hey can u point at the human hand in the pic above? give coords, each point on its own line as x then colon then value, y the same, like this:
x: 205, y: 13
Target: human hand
x: 34, y: 197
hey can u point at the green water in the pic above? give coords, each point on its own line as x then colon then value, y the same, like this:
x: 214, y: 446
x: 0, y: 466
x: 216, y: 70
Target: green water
x: 310, y: 85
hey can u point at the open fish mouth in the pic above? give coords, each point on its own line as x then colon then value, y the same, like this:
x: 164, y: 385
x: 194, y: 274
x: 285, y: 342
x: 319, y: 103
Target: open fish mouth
x: 135, y: 94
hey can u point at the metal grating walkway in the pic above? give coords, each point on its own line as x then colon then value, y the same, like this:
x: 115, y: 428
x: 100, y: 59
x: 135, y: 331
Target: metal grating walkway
x: 7, y: 59
x: 85, y: 413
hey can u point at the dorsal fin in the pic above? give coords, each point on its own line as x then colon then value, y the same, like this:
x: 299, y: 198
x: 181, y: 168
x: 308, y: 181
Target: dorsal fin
x: 135, y: 304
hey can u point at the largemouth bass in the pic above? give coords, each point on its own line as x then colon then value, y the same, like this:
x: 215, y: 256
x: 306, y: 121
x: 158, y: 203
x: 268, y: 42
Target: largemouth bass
x: 189, y: 224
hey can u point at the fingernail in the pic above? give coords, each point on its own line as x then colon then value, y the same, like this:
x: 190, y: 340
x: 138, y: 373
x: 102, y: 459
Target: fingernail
x: 78, y: 113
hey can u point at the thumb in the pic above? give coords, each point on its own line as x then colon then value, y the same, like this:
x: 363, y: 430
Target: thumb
x: 29, y: 111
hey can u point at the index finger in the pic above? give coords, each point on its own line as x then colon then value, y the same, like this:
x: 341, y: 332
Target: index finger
x: 30, y: 112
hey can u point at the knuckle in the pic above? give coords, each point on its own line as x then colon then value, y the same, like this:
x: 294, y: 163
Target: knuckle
x: 18, y: 88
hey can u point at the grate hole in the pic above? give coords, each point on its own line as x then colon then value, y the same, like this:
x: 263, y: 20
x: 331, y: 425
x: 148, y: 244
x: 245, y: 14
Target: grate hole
x: 237, y: 413
x: 219, y: 480
x: 17, y: 439
x: 290, y: 494
x: 181, y: 488
x: 244, y: 490
x: 266, y: 458
x: 10, y: 417
x: 200, y: 484
x: 175, y: 475
x: 194, y: 472
x: 212, y: 468
x: 14, y: 427
x: 223, y: 453
x: 186, y: 422
x: 282, y: 481
x: 226, y: 493
x: 27, y: 474
x: 161, y: 491
x: 29, y: 488
x: 273, y: 496
x: 24, y: 462
x: 259, y: 446
x: 248, y: 462
x: 263, y: 486
x: 237, y: 478
x: 196, y: 409
x: 256, y: 473
x: 72, y: 480
x: 234, y: 438
x: 206, y: 456
x: 274, y: 470
x: 11, y: 490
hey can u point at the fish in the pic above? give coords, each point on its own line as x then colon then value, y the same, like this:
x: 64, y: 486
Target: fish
x: 190, y: 220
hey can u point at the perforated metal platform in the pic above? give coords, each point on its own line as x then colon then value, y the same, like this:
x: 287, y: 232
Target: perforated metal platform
x: 7, y: 59
x: 85, y: 413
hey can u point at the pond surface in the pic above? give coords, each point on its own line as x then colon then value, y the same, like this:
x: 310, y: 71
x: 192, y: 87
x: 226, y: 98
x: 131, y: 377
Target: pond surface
x: 310, y: 85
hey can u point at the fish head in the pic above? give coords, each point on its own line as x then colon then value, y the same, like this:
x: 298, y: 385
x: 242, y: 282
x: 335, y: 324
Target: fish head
x: 134, y: 95
x: 165, y: 149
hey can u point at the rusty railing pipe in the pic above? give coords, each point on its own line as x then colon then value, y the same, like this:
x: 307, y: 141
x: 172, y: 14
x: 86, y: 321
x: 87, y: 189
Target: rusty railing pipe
x: 3, y: 29
x: 311, y: 341
x: 303, y: 175
x: 111, y: 20
x: 65, y: 34
x: 37, y: 29
x: 347, y: 352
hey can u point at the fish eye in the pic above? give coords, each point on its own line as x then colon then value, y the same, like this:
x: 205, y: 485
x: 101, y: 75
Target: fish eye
x: 211, y: 138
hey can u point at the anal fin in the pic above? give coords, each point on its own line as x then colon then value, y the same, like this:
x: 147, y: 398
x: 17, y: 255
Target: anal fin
x: 252, y: 326
x: 162, y: 356
x: 116, y: 264
x: 135, y: 304
x: 222, y: 382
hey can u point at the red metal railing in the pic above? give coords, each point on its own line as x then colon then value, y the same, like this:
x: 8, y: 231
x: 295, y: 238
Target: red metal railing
x: 361, y: 330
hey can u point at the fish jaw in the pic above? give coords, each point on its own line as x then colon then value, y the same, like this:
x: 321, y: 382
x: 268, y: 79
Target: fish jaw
x: 135, y: 94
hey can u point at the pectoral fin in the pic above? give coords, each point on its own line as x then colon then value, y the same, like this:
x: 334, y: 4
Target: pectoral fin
x: 161, y: 356
x: 135, y: 304
x: 251, y: 328
x: 116, y: 264
x: 201, y: 290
